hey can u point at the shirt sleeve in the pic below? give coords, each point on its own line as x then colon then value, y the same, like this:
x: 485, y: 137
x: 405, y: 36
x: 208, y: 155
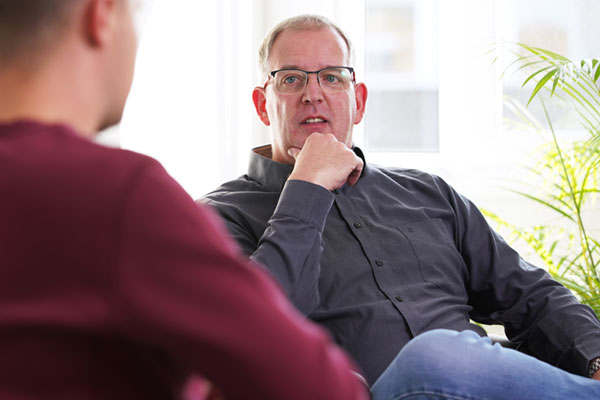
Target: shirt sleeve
x: 291, y: 246
x: 533, y: 307
x: 183, y: 290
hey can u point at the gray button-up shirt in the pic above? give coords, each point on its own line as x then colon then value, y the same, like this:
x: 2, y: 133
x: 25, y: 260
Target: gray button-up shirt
x: 397, y: 254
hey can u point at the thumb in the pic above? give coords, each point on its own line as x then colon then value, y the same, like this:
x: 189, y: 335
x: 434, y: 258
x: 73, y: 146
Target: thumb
x: 293, y: 152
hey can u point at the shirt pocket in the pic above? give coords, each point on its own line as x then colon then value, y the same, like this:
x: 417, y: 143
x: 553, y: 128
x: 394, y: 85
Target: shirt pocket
x: 439, y: 260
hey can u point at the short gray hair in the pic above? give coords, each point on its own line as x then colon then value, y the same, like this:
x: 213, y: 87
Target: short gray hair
x: 299, y: 23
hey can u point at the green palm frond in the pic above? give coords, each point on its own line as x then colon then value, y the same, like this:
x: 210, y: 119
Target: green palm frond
x: 566, y: 174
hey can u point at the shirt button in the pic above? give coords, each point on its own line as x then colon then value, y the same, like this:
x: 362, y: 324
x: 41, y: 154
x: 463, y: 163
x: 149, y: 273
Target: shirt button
x: 335, y: 191
x: 357, y: 225
x: 399, y: 298
x: 379, y: 263
x: 409, y: 229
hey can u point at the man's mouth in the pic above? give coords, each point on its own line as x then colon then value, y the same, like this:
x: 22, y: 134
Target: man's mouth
x: 314, y: 121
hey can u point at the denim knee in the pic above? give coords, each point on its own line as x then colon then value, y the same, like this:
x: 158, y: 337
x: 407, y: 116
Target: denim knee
x: 443, y: 364
x: 440, y: 354
x: 444, y: 342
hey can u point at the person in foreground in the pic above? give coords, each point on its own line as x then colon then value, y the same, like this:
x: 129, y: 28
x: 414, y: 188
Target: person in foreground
x: 393, y: 261
x: 114, y: 284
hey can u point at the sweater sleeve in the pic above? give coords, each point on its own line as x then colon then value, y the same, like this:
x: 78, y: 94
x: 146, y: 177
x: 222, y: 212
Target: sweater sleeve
x: 183, y: 288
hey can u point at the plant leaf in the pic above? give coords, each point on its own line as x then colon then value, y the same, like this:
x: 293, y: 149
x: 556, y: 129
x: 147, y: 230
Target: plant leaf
x: 553, y: 55
x: 541, y: 83
x: 545, y: 203
x: 556, y: 79
x: 530, y: 77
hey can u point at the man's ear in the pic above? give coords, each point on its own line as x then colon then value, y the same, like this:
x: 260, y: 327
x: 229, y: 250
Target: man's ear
x: 100, y: 18
x: 360, y: 95
x: 260, y: 104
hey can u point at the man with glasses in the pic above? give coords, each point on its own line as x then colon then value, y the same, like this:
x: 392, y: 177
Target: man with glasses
x: 114, y: 284
x: 381, y: 256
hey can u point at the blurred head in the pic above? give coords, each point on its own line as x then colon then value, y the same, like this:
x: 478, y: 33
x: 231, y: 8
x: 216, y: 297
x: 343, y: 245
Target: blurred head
x: 30, y: 28
x: 89, y: 43
x: 295, y: 104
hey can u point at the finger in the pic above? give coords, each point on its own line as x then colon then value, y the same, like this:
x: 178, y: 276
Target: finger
x: 293, y: 152
x: 355, y: 174
x: 353, y: 177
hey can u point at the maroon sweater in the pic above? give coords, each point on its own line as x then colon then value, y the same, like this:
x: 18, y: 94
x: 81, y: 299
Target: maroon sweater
x: 114, y: 284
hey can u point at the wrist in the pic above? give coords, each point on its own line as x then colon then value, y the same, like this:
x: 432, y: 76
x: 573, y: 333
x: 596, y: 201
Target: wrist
x: 315, y: 176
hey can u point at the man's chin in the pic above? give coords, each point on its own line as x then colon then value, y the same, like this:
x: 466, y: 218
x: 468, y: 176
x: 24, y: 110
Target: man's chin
x: 321, y: 127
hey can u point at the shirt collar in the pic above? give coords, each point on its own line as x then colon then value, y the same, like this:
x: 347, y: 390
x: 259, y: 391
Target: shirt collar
x: 273, y: 174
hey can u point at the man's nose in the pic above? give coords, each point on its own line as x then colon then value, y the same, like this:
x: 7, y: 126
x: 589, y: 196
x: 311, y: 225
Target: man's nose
x: 313, y: 93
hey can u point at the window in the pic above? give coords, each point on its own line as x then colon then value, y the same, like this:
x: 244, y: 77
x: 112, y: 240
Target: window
x: 568, y: 30
x: 401, y: 49
x: 435, y: 101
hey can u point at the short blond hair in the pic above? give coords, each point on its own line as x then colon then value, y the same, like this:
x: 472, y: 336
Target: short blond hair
x: 299, y: 23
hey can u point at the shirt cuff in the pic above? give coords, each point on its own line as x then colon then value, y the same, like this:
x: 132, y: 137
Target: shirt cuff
x: 587, y: 349
x: 305, y: 201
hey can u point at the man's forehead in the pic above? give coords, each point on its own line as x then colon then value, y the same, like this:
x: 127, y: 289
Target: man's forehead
x: 317, y: 34
x: 294, y: 47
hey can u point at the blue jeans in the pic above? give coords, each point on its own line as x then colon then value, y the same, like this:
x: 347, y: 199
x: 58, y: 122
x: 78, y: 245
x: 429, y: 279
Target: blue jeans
x: 445, y: 364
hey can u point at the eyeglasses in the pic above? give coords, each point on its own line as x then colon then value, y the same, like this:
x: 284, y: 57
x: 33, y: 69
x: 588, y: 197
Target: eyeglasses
x: 332, y: 79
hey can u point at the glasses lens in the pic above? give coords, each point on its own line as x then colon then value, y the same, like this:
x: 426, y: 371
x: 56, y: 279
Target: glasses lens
x: 335, y: 78
x: 290, y: 81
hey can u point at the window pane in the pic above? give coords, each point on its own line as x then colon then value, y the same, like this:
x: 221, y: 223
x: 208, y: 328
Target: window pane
x: 403, y: 120
x: 569, y: 30
x: 401, y: 50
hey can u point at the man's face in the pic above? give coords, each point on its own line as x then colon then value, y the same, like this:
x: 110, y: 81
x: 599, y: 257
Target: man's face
x: 294, y: 116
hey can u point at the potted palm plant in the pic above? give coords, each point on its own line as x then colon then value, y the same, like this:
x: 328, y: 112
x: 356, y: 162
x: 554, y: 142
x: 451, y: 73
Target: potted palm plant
x: 567, y: 171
